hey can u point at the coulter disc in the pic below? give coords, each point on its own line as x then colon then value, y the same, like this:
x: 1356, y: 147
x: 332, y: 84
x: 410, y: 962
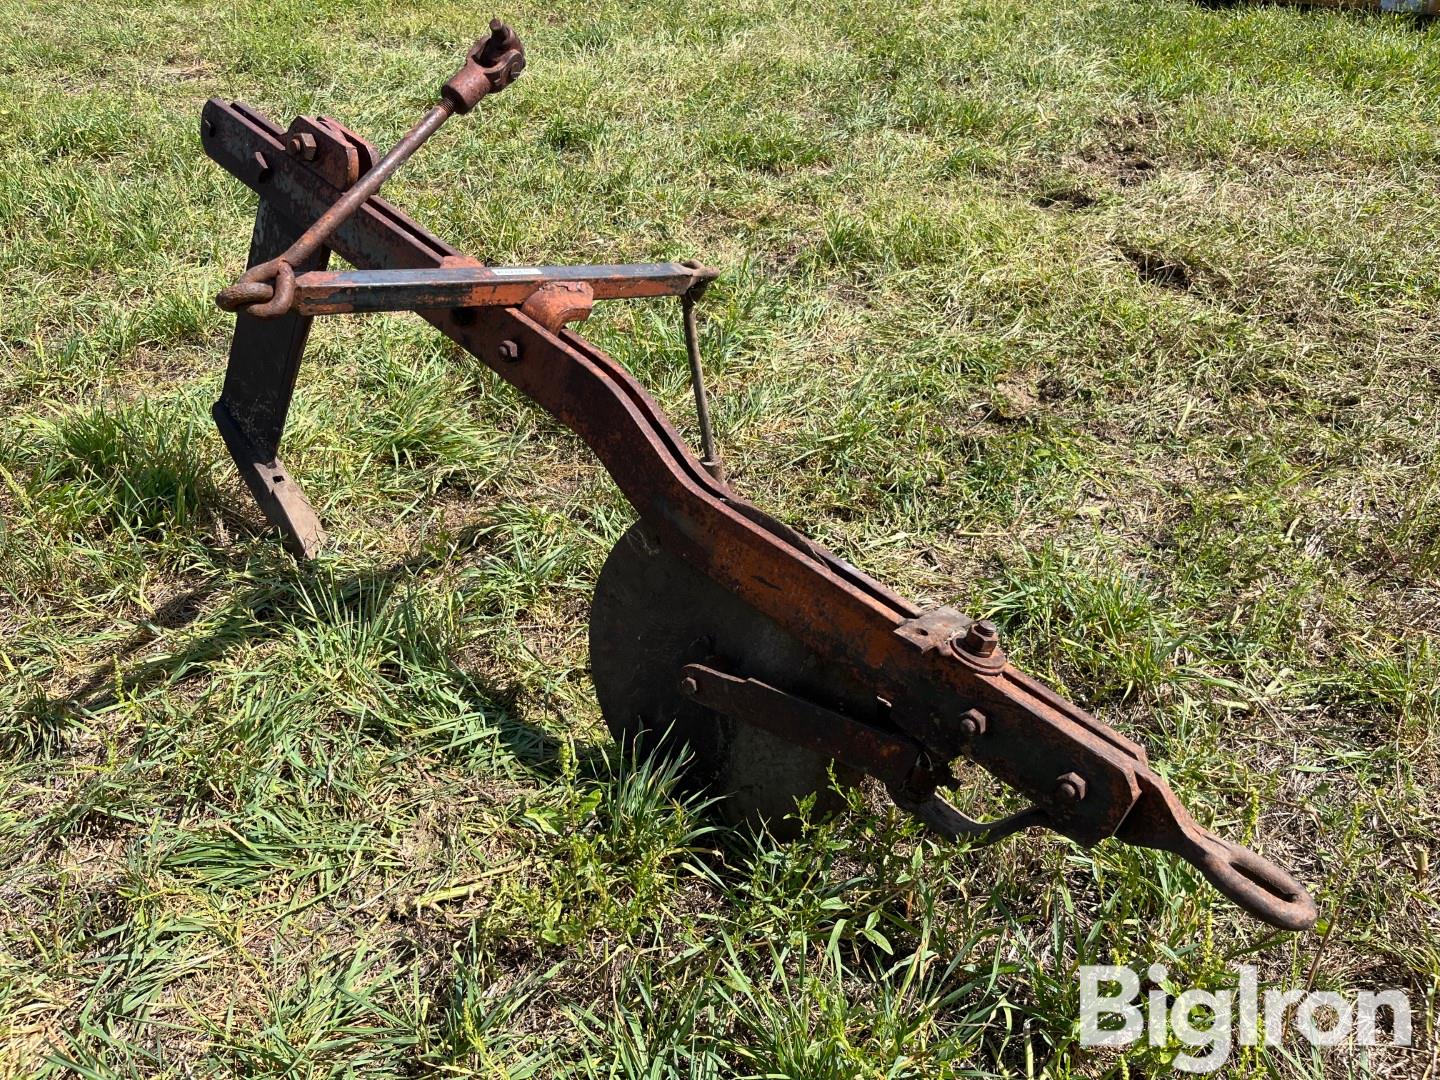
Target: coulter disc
x: 652, y: 615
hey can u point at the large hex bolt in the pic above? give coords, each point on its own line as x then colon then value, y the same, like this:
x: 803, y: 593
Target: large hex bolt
x: 982, y: 639
x: 972, y: 724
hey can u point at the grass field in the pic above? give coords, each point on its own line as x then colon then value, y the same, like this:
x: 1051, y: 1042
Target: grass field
x: 1114, y: 321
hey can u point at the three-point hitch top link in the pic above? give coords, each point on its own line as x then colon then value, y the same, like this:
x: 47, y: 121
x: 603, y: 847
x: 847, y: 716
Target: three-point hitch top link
x: 267, y: 291
x: 710, y: 611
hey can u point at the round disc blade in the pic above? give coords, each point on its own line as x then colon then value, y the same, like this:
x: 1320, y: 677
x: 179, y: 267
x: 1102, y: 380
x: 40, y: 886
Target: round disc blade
x: 652, y: 615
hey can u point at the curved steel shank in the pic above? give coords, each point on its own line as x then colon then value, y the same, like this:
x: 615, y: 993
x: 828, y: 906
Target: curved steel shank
x: 1032, y: 737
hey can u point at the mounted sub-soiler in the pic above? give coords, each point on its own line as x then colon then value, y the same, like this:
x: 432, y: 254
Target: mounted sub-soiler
x: 714, y: 625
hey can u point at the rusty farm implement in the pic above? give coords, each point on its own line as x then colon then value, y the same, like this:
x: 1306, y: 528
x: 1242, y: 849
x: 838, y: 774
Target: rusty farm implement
x: 713, y: 625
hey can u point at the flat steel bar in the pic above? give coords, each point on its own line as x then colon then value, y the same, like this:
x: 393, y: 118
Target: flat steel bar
x: 888, y: 756
x: 337, y: 292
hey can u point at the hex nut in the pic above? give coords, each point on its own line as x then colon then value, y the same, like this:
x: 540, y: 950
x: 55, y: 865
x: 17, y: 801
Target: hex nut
x: 982, y: 639
x: 302, y: 144
x: 1070, y: 789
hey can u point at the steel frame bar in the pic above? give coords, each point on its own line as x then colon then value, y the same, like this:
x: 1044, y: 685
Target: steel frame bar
x: 344, y: 291
x: 265, y: 359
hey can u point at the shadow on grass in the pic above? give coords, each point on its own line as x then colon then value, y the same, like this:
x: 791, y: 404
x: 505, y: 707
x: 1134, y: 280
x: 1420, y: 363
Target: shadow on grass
x: 1416, y: 19
x: 264, y: 611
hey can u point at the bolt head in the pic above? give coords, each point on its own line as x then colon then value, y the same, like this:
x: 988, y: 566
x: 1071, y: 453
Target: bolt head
x: 508, y: 351
x: 982, y: 639
x: 1069, y: 789
x: 689, y: 687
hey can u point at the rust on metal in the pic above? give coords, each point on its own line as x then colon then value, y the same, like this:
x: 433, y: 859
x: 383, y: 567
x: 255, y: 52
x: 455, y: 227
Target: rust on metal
x: 889, y: 756
x: 462, y: 284
x: 335, y: 155
x: 709, y: 457
x: 493, y: 64
x: 819, y: 658
x: 557, y: 304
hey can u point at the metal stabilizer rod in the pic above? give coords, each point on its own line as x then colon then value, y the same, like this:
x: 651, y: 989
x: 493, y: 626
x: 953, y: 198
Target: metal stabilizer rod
x: 709, y: 456
x: 267, y: 291
x: 346, y: 292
